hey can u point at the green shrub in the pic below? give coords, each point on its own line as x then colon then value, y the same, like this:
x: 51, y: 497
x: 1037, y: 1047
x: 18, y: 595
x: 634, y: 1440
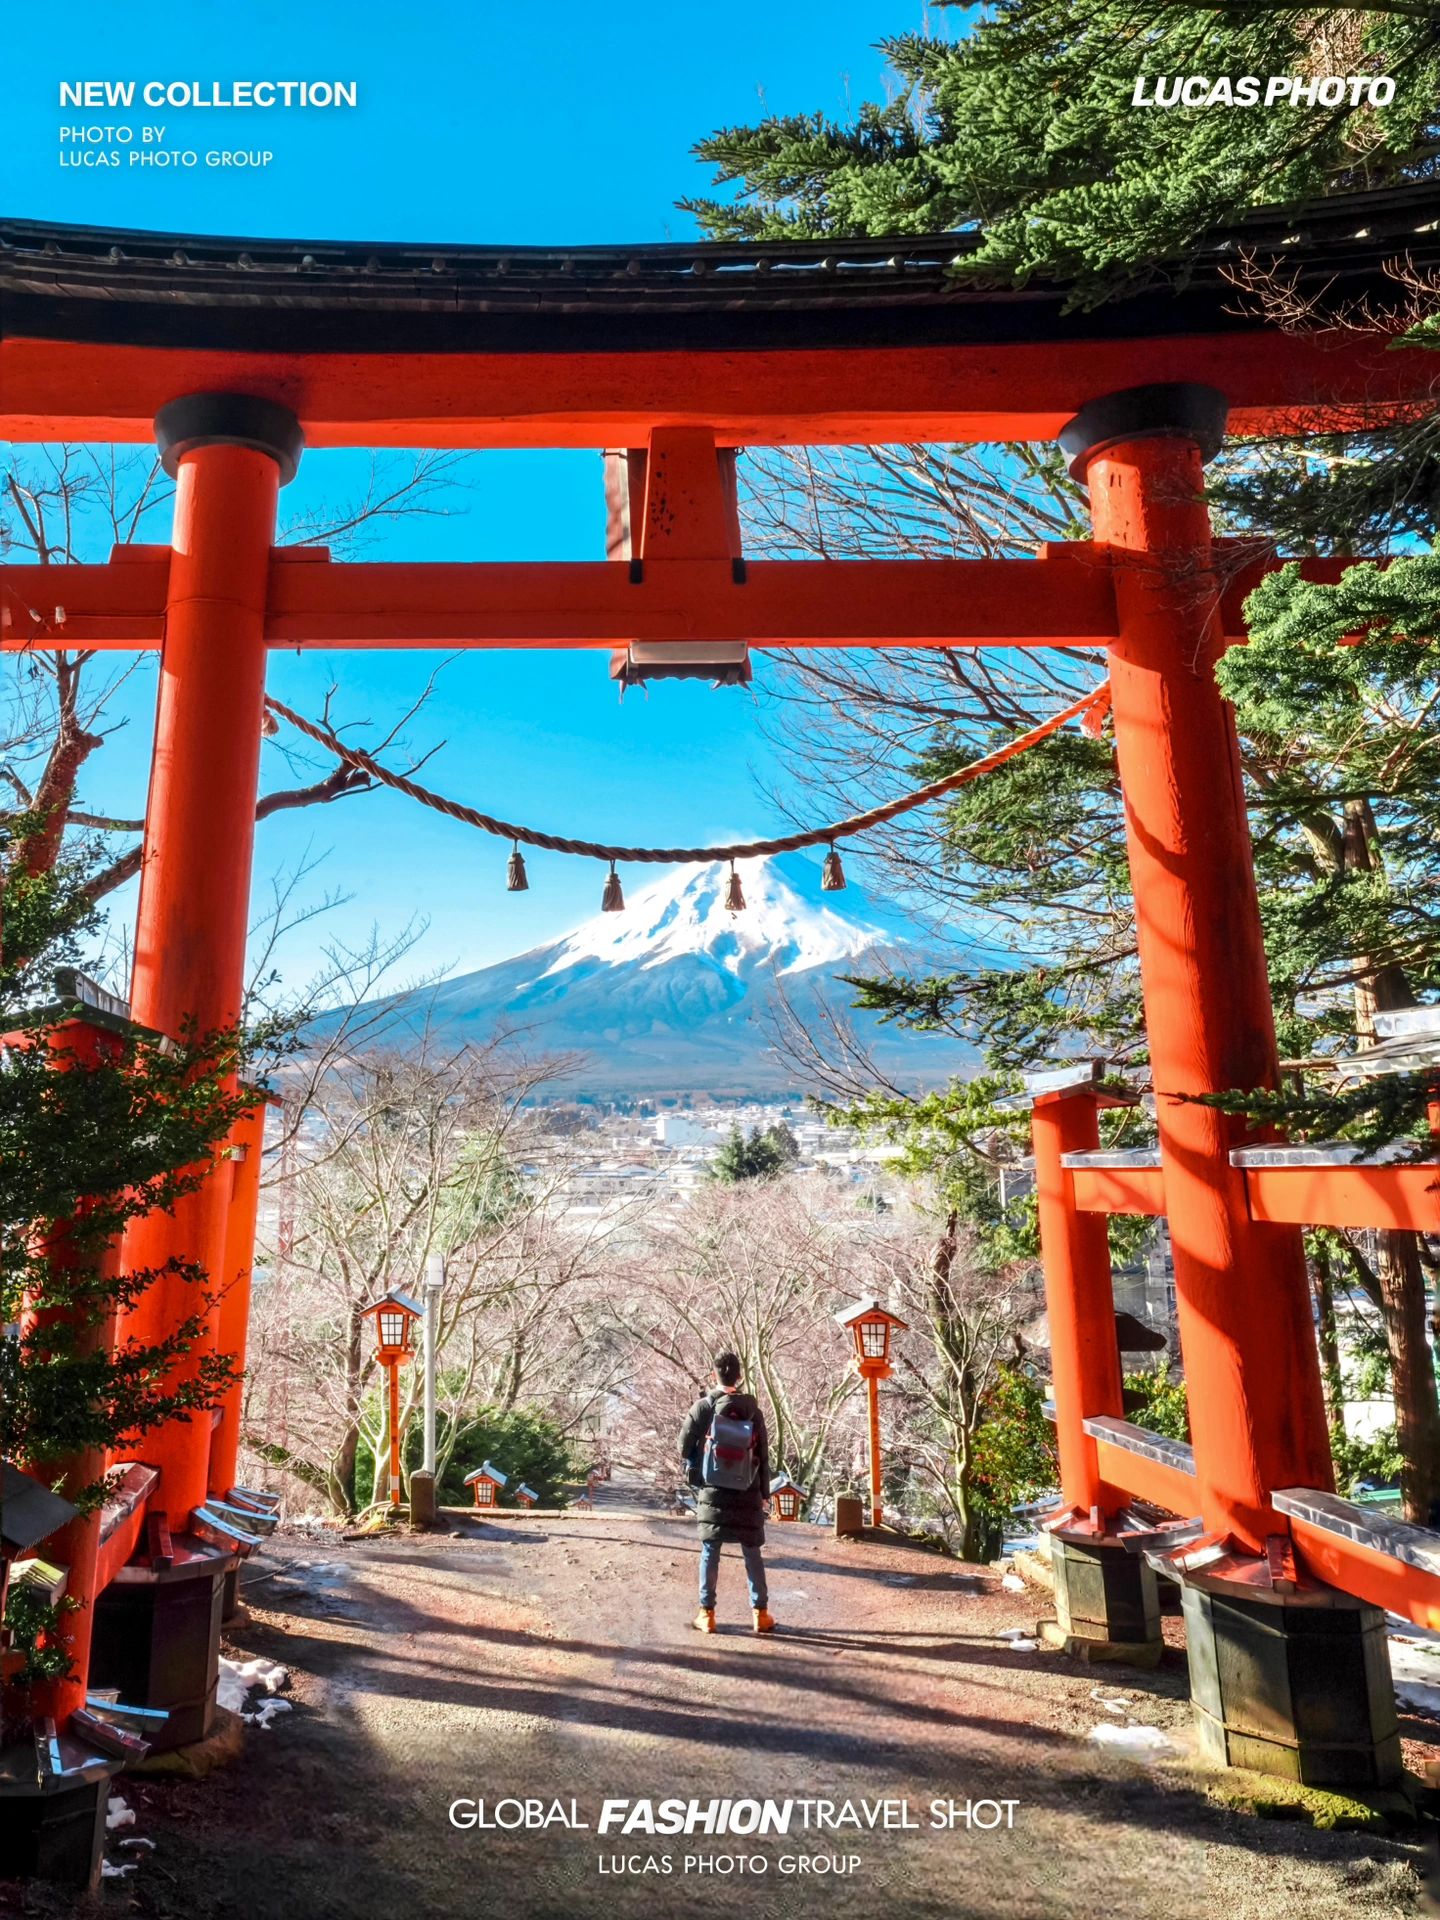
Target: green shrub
x: 524, y: 1443
x: 1165, y: 1409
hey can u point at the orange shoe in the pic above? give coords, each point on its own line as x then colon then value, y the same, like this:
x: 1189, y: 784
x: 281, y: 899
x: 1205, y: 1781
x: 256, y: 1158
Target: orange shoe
x: 704, y: 1621
x: 764, y: 1620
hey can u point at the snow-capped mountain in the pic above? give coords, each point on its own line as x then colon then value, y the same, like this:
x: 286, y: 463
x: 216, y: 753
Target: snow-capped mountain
x: 677, y: 995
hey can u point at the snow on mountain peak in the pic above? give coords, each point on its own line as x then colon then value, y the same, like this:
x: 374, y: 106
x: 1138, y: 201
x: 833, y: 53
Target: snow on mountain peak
x: 787, y: 922
x: 676, y: 996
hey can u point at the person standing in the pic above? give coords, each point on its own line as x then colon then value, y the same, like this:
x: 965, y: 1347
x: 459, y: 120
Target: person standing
x: 726, y: 1454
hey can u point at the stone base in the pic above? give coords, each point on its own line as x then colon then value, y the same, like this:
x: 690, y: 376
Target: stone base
x: 157, y: 1639
x: 849, y: 1517
x: 53, y: 1832
x: 221, y: 1746
x: 1120, y: 1653
x: 230, y: 1595
x: 1294, y: 1683
x: 1103, y: 1593
x: 422, y: 1502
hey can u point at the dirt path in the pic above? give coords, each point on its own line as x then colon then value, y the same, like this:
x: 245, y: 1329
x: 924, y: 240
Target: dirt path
x: 552, y: 1658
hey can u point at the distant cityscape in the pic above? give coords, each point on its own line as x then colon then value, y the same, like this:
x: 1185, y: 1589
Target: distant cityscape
x: 619, y: 1156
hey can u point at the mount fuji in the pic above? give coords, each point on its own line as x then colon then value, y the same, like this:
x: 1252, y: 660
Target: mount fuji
x: 675, y: 995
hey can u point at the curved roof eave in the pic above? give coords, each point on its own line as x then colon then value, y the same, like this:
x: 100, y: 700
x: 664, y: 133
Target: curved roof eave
x: 142, y: 289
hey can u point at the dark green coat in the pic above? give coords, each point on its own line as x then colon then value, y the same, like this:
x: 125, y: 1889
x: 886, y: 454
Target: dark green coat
x: 736, y: 1514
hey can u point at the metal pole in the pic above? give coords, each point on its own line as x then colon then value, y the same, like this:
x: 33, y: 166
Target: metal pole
x: 434, y: 1281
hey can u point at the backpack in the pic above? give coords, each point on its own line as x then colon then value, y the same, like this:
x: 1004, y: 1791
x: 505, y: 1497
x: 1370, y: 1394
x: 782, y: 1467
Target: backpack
x: 728, y: 1459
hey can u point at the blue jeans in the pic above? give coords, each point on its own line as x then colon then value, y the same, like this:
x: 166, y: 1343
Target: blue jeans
x: 710, y: 1568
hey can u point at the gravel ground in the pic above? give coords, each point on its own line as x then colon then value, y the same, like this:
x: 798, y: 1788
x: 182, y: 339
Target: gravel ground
x: 552, y: 1658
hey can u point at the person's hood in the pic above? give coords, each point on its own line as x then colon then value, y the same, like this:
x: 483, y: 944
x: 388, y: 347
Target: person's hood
x: 717, y: 1392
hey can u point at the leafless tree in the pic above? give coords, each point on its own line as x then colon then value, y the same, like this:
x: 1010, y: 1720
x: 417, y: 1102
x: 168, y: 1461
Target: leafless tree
x: 386, y: 1157
x: 760, y: 1268
x: 63, y: 505
x: 850, y: 725
x: 967, y: 1322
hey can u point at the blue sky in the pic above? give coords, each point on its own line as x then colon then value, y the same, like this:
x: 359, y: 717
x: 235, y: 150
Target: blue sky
x: 475, y: 123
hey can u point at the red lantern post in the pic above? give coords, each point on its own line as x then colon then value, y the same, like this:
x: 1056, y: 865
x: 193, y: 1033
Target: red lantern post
x: 871, y: 1326
x: 396, y: 1315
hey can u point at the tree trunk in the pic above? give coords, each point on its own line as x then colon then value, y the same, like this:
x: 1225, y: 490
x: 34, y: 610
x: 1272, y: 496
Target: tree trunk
x: 56, y: 793
x: 1323, y: 1283
x: 342, y: 1471
x: 348, y: 1452
x: 1398, y: 1268
x: 973, y: 1534
x: 1417, y: 1413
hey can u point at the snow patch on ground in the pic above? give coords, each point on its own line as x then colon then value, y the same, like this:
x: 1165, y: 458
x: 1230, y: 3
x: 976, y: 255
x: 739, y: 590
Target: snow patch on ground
x: 1415, y: 1669
x: 266, y: 1712
x: 1144, y: 1743
x: 1112, y: 1702
x: 326, y: 1573
x: 1012, y: 1583
x: 238, y: 1678
x: 119, y: 1813
x: 1019, y: 1639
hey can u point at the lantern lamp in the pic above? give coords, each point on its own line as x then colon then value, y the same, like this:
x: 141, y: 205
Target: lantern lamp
x: 487, y: 1480
x: 527, y: 1496
x: 870, y: 1326
x: 396, y: 1315
x: 786, y: 1497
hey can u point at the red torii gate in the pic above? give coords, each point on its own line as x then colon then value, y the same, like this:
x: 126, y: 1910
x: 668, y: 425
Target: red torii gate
x: 233, y: 353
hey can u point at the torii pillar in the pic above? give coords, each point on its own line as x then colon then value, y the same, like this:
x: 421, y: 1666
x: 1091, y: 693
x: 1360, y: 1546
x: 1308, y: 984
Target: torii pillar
x: 1105, y: 1592
x: 1285, y: 1675
x: 229, y: 455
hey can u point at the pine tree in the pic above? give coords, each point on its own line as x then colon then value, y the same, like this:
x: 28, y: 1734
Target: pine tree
x: 761, y: 1156
x: 1021, y: 138
x: 1022, y: 135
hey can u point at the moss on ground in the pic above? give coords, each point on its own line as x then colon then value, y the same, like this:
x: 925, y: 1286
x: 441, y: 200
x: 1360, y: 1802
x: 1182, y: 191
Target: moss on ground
x: 1268, y: 1798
